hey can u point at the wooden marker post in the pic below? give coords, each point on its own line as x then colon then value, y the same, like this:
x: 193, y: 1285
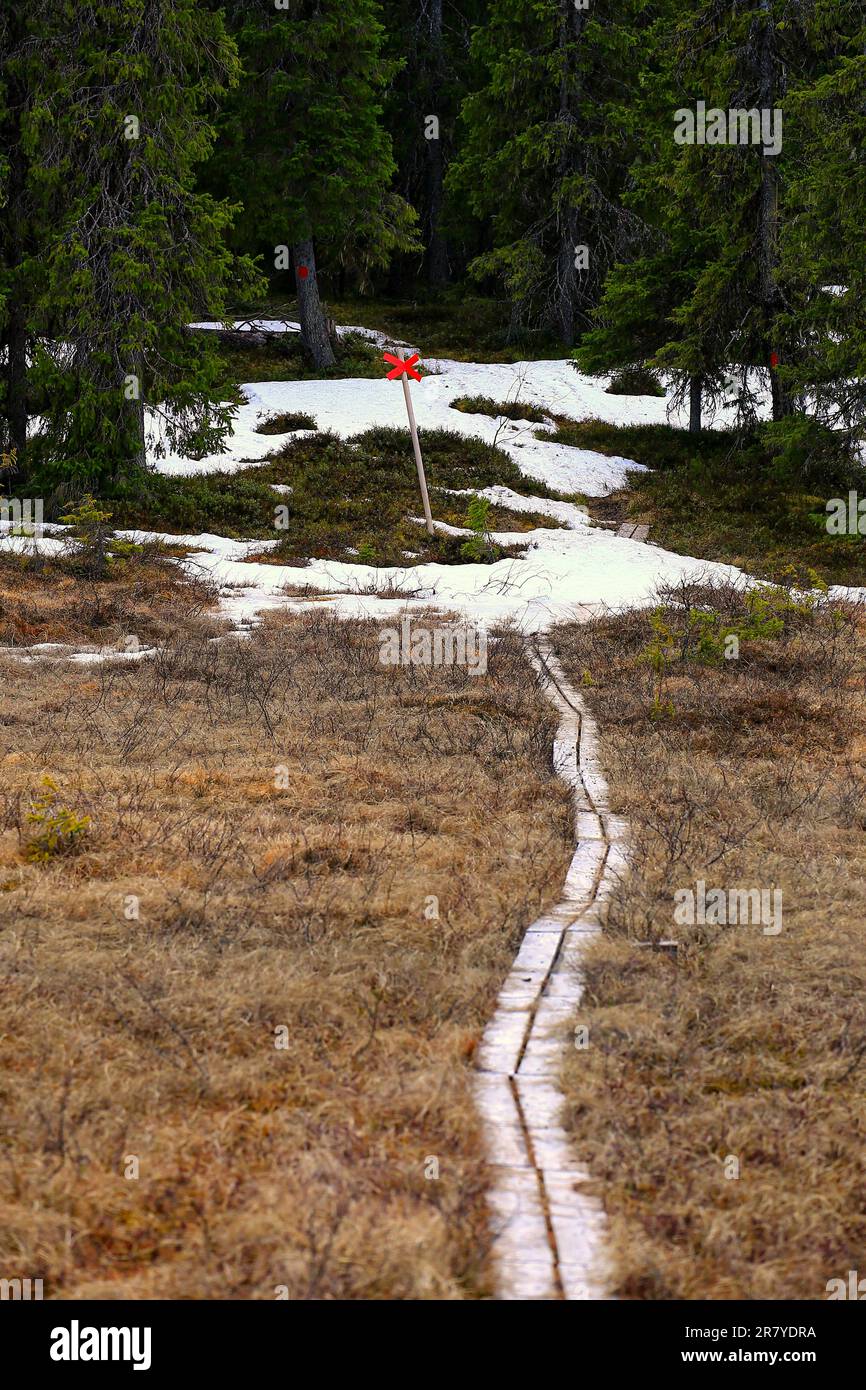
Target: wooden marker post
x: 405, y: 370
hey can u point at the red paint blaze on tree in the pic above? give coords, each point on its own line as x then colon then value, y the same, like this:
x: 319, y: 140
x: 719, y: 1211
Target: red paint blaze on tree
x: 303, y: 272
x: 774, y: 359
x: 400, y: 366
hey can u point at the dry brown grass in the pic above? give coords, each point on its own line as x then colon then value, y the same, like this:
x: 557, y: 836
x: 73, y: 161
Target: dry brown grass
x: 262, y: 908
x: 52, y: 599
x: 742, y: 1045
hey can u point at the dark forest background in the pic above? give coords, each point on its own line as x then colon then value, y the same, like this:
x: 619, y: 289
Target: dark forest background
x: 505, y: 162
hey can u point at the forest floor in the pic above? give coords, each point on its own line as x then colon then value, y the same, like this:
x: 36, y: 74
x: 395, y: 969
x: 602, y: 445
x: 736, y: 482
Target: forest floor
x: 257, y: 896
x: 720, y: 1103
x: 301, y: 905
x: 531, y: 438
x: 461, y: 328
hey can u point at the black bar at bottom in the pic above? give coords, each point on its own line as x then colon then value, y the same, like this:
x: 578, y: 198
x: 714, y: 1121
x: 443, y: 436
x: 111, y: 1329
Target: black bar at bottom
x: 85, y: 1339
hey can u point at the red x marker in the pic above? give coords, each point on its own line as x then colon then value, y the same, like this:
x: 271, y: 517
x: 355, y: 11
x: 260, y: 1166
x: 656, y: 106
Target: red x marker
x: 400, y: 366
x: 405, y: 370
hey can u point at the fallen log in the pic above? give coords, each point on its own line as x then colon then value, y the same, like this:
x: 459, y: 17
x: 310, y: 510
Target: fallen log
x: 248, y: 337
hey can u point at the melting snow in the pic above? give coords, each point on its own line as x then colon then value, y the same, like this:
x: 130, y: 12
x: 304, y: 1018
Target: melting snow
x: 579, y: 569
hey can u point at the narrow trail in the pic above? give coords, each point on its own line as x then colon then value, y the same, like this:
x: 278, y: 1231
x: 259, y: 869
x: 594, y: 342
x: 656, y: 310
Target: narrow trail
x: 549, y: 1235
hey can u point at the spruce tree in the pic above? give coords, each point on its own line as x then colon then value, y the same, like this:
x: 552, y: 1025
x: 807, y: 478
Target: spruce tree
x: 742, y: 238
x: 548, y: 137
x: 635, y: 323
x: 823, y: 244
x: 122, y: 250
x: 303, y: 146
x: 429, y: 45
x: 735, y: 56
x: 22, y: 23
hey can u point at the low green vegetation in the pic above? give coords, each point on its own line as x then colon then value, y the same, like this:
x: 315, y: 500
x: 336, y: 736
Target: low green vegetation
x: 346, y: 499
x: 282, y: 358
x: 286, y: 423
x: 480, y: 544
x: 710, y: 633
x: 719, y: 496
x: 635, y: 381
x: 455, y: 324
x: 56, y: 830
x: 655, y: 446
x: 510, y: 410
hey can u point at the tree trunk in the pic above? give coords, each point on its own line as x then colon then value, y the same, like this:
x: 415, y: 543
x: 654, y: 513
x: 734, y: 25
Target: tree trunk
x: 438, y: 269
x: 139, y: 425
x: 768, y: 212
x: 15, y: 335
x: 16, y: 387
x: 696, y: 396
x: 565, y: 281
x: 571, y: 25
x: 314, y: 324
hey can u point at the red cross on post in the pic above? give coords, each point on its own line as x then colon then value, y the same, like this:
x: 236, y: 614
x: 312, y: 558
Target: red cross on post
x: 400, y: 366
x: 405, y: 369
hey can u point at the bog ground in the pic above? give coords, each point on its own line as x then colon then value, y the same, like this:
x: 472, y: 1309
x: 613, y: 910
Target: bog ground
x: 260, y: 891
x: 258, y: 896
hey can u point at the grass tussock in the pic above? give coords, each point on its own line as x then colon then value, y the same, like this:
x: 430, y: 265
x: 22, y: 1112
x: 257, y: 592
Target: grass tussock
x: 244, y: 982
x: 745, y: 1051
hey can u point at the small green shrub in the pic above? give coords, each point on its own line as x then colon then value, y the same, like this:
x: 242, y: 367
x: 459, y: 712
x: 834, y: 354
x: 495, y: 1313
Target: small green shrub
x: 8, y: 461
x: 286, y: 423
x: 57, y: 830
x: 511, y: 410
x: 658, y: 654
x: 89, y: 523
x: 635, y: 381
x: 702, y: 634
x: 479, y: 548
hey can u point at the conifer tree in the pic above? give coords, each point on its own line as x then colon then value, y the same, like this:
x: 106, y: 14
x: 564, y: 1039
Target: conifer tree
x: 122, y: 251
x: 734, y: 56
x: 548, y: 137
x: 742, y: 238
x: 304, y: 148
x: 429, y: 44
x: 635, y: 323
x: 823, y: 244
x: 20, y: 24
